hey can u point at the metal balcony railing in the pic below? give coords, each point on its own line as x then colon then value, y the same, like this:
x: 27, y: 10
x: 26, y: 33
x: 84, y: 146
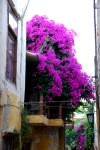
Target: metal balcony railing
x: 36, y: 108
x: 43, y: 108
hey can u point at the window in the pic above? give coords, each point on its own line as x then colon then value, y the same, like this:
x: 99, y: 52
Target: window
x: 8, y: 143
x: 11, y: 61
x: 8, y: 140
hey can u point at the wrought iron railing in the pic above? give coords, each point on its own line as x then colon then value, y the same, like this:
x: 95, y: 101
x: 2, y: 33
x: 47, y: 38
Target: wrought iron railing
x: 42, y: 108
x: 48, y: 109
x: 36, y: 108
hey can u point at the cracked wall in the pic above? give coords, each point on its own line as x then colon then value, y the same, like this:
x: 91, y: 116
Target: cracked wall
x: 11, y: 95
x: 47, y: 138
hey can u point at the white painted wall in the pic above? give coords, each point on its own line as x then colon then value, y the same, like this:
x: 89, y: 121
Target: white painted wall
x: 20, y: 5
x: 5, y: 85
x: 17, y: 89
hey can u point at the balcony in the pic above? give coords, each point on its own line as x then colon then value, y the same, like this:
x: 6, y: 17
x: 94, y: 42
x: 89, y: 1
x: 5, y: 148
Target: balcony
x: 42, y: 113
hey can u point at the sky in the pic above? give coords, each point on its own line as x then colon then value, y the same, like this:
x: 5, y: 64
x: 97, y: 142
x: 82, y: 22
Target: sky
x: 76, y: 15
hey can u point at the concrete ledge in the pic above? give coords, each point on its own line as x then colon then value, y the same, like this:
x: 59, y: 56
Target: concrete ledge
x: 38, y: 119
x: 56, y: 122
x: 42, y: 120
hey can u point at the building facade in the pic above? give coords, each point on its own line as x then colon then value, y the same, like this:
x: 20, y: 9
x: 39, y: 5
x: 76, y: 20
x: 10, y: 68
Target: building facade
x: 47, y: 130
x: 12, y: 69
x: 97, y: 72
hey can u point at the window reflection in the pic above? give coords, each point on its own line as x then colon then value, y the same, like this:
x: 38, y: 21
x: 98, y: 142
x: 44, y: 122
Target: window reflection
x: 11, y: 61
x: 13, y: 21
x: 10, y: 58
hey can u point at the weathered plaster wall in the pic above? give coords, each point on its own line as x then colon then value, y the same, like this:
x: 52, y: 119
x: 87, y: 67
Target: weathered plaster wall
x: 3, y: 38
x: 42, y: 120
x: 11, y: 112
x: 11, y: 96
x: 17, y: 89
x: 47, y: 138
x: 61, y: 138
x: 21, y: 51
x: 48, y: 134
x: 10, y: 117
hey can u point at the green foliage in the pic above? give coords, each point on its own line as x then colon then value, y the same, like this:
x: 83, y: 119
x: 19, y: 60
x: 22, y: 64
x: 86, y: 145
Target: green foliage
x: 85, y: 107
x: 80, y: 109
x: 25, y: 127
x: 79, y: 121
x: 16, y: 140
x: 89, y: 128
x: 40, y: 82
x: 25, y: 130
x: 70, y: 133
x: 89, y: 133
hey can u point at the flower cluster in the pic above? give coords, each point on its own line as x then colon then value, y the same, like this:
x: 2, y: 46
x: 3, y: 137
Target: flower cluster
x: 80, y: 136
x: 58, y: 73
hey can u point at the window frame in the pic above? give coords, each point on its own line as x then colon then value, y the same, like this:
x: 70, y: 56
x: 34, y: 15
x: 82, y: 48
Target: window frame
x: 12, y: 35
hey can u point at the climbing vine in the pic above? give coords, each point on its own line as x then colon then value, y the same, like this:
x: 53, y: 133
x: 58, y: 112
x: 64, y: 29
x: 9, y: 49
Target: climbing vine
x: 25, y: 127
x: 25, y: 130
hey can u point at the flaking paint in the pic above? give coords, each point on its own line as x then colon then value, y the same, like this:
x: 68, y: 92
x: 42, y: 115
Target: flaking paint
x: 42, y: 120
x: 47, y: 138
x: 11, y: 113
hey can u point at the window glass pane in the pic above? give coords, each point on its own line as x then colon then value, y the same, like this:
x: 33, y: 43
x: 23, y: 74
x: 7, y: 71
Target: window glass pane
x: 11, y: 46
x: 13, y: 22
x: 10, y: 65
x: 10, y: 58
x: 10, y: 69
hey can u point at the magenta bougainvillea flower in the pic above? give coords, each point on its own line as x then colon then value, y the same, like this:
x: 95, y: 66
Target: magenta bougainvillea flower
x: 58, y: 75
x: 80, y: 136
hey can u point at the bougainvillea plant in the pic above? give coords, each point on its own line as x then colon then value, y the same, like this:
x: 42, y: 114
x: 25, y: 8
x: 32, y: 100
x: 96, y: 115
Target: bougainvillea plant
x: 80, y: 136
x: 59, y: 76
